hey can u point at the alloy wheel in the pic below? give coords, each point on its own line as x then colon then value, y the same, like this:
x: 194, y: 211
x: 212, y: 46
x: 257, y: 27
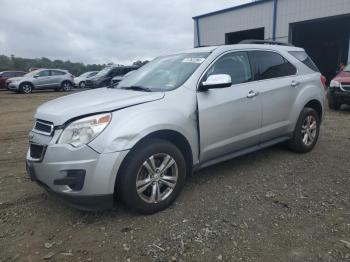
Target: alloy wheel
x: 26, y: 88
x: 66, y: 86
x: 309, y: 130
x: 157, y: 178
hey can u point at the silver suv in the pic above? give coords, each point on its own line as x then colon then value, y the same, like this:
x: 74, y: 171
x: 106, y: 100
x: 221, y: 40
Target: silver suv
x: 140, y: 139
x: 42, y: 79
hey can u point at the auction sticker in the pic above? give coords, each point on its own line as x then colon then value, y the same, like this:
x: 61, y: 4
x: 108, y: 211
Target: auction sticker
x: 196, y: 60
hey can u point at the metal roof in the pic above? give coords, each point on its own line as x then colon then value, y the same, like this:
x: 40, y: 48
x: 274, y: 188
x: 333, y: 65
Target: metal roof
x: 231, y: 8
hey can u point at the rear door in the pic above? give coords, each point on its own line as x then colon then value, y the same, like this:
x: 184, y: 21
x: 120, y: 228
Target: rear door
x: 229, y: 118
x: 278, y: 86
x: 56, y: 78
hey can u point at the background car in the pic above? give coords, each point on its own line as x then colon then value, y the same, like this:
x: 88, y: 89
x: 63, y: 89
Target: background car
x: 79, y: 81
x: 117, y: 79
x: 5, y: 75
x: 104, y: 77
x: 339, y: 89
x: 56, y: 79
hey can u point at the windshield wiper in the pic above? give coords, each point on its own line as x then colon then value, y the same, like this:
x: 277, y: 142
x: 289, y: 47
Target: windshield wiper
x: 137, y: 88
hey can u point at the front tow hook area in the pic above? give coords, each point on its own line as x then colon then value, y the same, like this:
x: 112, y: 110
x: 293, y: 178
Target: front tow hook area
x: 74, y: 179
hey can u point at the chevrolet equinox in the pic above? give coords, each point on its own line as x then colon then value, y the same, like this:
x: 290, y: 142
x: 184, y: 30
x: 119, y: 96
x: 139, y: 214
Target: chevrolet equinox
x: 137, y: 141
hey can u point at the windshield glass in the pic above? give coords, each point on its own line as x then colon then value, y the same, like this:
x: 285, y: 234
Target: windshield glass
x: 84, y: 74
x: 33, y: 72
x: 347, y: 68
x: 164, y: 73
x: 104, y: 71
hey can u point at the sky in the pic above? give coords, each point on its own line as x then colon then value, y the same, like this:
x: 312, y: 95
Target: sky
x: 100, y: 31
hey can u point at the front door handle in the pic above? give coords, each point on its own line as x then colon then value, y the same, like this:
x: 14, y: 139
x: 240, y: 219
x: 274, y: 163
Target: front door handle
x: 252, y: 94
x: 294, y: 83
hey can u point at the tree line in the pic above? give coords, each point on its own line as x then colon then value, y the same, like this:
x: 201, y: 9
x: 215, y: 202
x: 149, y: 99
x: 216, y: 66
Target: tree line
x: 8, y: 63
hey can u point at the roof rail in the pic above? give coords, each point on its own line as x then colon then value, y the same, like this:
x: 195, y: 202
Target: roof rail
x: 264, y: 42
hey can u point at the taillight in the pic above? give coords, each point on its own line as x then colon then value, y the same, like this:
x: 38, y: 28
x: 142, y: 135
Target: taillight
x: 72, y: 76
x: 323, y: 81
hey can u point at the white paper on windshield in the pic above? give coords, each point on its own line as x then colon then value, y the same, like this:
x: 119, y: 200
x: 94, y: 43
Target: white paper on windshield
x: 196, y: 60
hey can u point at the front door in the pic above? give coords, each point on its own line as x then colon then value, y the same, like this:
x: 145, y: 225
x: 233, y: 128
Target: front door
x: 229, y: 118
x: 42, y: 79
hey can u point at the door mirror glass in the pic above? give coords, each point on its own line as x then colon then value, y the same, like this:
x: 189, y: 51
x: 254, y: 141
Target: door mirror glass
x: 217, y: 81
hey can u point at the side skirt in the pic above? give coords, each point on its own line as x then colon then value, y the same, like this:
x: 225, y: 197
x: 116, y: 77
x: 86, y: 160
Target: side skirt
x: 241, y: 152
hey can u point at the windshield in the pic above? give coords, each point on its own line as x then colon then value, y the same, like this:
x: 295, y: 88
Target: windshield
x: 84, y: 74
x: 164, y: 73
x: 347, y: 68
x: 33, y: 72
x: 104, y: 71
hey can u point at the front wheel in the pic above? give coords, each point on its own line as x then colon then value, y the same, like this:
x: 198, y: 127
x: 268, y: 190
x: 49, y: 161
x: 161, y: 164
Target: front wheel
x: 82, y: 84
x: 306, y: 131
x: 152, y: 176
x: 26, y: 88
x: 66, y: 86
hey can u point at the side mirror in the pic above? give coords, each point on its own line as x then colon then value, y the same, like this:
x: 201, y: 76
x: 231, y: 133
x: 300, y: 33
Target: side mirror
x: 216, y: 81
x: 36, y: 76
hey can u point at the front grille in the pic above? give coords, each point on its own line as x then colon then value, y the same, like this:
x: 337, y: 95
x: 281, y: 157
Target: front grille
x: 345, y: 87
x: 36, y: 151
x: 43, y: 127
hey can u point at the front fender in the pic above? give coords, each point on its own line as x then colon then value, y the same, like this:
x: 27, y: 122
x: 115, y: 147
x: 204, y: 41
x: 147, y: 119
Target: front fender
x: 130, y: 125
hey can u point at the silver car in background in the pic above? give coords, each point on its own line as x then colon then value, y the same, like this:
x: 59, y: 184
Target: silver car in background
x: 79, y: 81
x: 177, y: 114
x: 42, y: 79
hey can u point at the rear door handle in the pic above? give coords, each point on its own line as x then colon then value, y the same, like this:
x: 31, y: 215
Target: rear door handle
x: 294, y: 83
x: 252, y: 94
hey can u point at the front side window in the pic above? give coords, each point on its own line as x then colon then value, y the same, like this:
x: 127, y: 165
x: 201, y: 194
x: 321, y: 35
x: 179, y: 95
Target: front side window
x: 272, y: 65
x: 43, y: 73
x: 164, y: 73
x: 236, y: 65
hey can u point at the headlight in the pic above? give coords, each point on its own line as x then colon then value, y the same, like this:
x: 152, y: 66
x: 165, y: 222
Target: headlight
x: 334, y: 83
x: 84, y: 130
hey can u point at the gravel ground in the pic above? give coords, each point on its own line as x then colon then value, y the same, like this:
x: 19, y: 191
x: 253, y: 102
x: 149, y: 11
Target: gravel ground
x: 272, y: 205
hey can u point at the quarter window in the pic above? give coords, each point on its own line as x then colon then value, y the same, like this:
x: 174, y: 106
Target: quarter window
x: 235, y: 65
x: 272, y: 65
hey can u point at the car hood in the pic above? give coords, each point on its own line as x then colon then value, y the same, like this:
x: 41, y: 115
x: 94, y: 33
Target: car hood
x: 343, y: 77
x: 14, y: 78
x: 62, y: 109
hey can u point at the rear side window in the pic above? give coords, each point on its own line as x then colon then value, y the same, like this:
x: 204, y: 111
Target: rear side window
x: 271, y: 65
x: 57, y: 73
x: 305, y: 59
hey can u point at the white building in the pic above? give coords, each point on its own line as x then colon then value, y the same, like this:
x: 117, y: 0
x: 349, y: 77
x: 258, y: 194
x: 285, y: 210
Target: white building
x: 322, y: 27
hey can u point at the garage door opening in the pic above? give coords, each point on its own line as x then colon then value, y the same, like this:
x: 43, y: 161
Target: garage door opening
x: 326, y: 41
x: 236, y: 37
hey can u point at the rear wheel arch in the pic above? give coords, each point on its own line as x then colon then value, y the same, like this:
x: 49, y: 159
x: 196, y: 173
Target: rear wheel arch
x: 317, y: 106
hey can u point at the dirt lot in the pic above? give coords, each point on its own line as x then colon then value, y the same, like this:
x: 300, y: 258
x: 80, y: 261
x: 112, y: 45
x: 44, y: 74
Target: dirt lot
x: 273, y: 205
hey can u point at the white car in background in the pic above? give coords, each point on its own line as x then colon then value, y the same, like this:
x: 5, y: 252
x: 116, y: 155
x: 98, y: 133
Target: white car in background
x: 80, y: 80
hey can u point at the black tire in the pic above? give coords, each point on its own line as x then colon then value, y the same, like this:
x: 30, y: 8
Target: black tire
x: 333, y: 102
x: 66, y: 86
x: 26, y: 88
x: 297, y: 142
x: 134, y: 164
x: 82, y: 84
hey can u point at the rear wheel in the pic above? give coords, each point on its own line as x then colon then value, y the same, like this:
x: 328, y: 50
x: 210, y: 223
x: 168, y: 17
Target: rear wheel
x: 26, y: 88
x: 66, y: 86
x: 306, y: 131
x: 333, y: 102
x: 152, y: 176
